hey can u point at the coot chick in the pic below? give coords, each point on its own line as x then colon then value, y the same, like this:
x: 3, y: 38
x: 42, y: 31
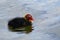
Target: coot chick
x: 21, y: 23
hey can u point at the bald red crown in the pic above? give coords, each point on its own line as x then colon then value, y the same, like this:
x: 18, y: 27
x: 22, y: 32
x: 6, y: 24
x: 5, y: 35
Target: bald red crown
x: 29, y: 17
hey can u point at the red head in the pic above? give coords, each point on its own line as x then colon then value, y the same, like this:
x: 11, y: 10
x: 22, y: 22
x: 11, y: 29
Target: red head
x: 29, y: 17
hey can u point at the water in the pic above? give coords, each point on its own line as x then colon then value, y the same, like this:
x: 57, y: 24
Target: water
x: 46, y: 25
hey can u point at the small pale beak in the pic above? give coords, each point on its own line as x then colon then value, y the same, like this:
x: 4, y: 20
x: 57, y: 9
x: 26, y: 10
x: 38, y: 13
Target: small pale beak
x: 31, y: 21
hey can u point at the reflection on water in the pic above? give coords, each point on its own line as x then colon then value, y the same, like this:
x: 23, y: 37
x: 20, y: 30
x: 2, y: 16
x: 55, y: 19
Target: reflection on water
x: 27, y: 29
